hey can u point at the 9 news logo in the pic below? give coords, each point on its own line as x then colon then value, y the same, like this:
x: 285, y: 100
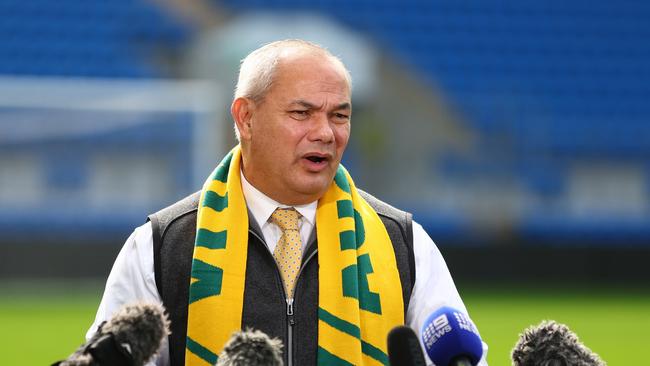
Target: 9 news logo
x: 436, y: 329
x: 441, y: 325
x: 464, y: 322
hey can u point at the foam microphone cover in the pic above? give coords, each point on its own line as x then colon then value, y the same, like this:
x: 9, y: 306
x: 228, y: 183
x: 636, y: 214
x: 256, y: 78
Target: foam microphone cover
x: 251, y: 348
x: 404, y: 347
x: 552, y: 344
x: 450, y: 337
x: 131, y: 337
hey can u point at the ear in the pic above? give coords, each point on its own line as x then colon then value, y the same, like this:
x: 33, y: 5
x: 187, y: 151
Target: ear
x: 242, y: 113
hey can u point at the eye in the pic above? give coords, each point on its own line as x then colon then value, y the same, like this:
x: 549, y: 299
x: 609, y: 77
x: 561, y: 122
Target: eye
x: 299, y: 114
x: 341, y: 117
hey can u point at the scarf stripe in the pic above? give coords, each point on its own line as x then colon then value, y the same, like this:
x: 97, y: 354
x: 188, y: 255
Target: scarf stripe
x: 326, y: 358
x: 202, y: 352
x: 360, y: 295
x: 351, y: 329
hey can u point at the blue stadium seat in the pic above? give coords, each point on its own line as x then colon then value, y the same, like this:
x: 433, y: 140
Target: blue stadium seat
x: 74, y: 38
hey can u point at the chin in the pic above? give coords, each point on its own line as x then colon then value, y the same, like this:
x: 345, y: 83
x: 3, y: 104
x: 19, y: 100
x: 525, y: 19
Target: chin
x: 314, y: 189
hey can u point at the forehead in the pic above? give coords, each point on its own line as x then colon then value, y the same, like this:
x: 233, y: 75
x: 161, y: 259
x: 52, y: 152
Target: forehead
x: 310, y: 73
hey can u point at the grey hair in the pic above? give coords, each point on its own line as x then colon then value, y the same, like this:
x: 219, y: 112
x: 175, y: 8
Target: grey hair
x: 257, y: 70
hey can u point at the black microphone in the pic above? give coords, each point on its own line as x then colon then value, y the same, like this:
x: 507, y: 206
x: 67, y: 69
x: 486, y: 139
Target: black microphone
x: 404, y: 347
x: 251, y: 348
x: 552, y: 344
x: 130, y: 338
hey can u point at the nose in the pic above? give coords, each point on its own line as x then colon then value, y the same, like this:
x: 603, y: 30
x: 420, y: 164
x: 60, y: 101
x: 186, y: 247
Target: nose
x: 322, y: 129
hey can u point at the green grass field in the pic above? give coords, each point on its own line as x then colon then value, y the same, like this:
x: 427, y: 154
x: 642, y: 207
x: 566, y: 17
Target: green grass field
x: 44, y: 322
x: 612, y: 322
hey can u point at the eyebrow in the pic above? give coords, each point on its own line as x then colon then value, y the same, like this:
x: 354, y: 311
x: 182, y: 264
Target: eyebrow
x: 309, y: 105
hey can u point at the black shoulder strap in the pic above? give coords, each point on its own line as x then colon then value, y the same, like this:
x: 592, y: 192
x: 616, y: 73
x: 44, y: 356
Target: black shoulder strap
x: 156, y: 234
x: 159, y: 222
x: 407, y: 234
x: 409, y: 245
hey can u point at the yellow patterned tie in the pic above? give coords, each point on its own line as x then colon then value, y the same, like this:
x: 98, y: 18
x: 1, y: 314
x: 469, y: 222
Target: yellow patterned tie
x: 288, y: 251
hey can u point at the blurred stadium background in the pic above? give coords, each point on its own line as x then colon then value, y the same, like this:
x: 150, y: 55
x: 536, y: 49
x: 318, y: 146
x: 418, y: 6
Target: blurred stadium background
x: 517, y: 132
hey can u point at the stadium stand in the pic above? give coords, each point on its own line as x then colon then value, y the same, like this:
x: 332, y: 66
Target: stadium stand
x: 548, y: 87
x: 551, y: 89
x: 85, y: 38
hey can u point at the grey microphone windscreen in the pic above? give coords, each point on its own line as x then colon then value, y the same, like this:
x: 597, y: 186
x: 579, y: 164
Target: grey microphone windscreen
x: 142, y: 326
x: 251, y: 348
x: 131, y: 337
x: 552, y: 344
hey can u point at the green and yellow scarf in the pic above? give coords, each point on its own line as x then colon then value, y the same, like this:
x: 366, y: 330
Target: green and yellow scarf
x: 360, y: 294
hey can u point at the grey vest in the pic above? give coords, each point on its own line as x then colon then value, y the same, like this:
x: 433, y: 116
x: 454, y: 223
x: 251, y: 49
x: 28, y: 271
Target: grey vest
x: 265, y: 307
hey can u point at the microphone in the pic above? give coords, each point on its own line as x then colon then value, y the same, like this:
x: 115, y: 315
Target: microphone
x: 251, y: 348
x: 552, y: 344
x: 130, y: 338
x: 404, y: 348
x: 451, y: 338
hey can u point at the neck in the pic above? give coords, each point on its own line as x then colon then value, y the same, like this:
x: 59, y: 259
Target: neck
x: 279, y: 197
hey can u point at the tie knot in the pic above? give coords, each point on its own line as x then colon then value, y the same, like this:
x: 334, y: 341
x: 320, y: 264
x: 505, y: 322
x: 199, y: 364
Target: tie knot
x: 286, y: 218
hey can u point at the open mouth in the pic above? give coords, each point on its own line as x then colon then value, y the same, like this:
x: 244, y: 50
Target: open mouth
x: 316, y: 159
x: 316, y: 162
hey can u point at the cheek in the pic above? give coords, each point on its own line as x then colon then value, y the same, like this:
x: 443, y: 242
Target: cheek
x: 274, y: 134
x: 342, y: 135
x: 286, y: 142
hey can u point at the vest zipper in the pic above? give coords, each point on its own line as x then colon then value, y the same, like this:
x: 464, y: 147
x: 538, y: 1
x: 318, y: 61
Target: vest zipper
x: 290, y: 310
x: 291, y: 322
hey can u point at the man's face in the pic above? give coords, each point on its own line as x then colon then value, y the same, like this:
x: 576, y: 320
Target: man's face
x: 296, y: 136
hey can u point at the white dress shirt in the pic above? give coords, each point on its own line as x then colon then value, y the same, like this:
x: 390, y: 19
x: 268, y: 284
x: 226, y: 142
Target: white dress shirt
x: 262, y: 207
x: 132, y: 277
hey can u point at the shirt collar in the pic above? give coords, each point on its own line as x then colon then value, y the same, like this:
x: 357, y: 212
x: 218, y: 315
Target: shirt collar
x: 262, y: 206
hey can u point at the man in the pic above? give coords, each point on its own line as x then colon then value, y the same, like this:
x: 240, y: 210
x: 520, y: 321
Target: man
x: 280, y: 239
